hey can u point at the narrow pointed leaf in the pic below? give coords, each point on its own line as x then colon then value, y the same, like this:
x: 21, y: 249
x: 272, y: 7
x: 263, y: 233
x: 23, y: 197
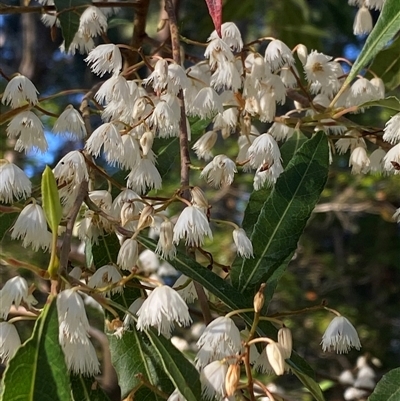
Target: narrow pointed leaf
x: 182, y: 373
x: 51, y: 199
x: 391, y: 103
x: 284, y: 214
x: 38, y: 370
x: 387, y: 26
x: 134, y: 354
x: 308, y: 382
x: 388, y: 388
x: 87, y: 389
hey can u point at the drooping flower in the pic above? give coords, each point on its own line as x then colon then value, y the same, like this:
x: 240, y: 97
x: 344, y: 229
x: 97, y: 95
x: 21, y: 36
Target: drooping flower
x: 144, y: 176
x: 128, y: 254
x: 264, y: 150
x: 70, y: 122
x: 278, y: 54
x: 105, y: 276
x: 359, y: 160
x: 9, y: 341
x: 188, y: 293
x: 105, y: 58
x: 363, y: 23
x: 162, y: 309
x: 212, y: 379
x: 340, y: 336
x: 14, y: 292
x: 92, y: 22
x: 192, y: 225
x: 207, y: 103
x: 18, y: 91
x: 165, y: 246
x: 392, y: 130
x: 204, y: 145
x: 230, y: 35
x: 13, y: 182
x: 391, y: 162
x: 219, y: 172
x: 243, y: 243
x: 220, y: 339
x: 71, y: 168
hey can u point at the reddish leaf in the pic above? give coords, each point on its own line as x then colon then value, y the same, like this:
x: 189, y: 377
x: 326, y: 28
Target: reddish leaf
x: 215, y: 11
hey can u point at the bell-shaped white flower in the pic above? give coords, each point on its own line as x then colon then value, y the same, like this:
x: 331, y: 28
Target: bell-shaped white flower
x: 144, y: 176
x: 391, y: 162
x: 193, y: 226
x: 205, y: 144
x: 359, y: 160
x: 264, y: 150
x: 340, y: 336
x: 220, y: 171
x: 266, y: 175
x: 9, y: 341
x: 188, y: 292
x: 159, y: 77
x: 105, y: 58
x: 392, y: 130
x: 207, y: 103
x: 18, y: 91
x: 162, y: 309
x: 164, y: 120
x: 70, y: 122
x: 319, y: 69
x: 363, y: 23
x: 128, y: 254
x: 104, y: 277
x: 220, y: 339
x: 278, y: 54
x: 14, y: 292
x: 165, y: 246
x: 230, y: 35
x: 218, y: 52
x: 92, y: 22
x: 71, y: 168
x: 376, y: 160
x: 212, y: 379
x: 243, y: 244
x: 13, y: 182
x: 31, y: 226
x: 82, y: 43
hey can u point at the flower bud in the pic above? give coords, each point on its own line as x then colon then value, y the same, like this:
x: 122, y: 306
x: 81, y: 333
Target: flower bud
x: 302, y: 53
x: 259, y: 299
x: 232, y: 379
x: 285, y: 341
x: 128, y: 213
x: 275, y: 358
x: 146, y: 217
x: 146, y: 142
x: 198, y: 197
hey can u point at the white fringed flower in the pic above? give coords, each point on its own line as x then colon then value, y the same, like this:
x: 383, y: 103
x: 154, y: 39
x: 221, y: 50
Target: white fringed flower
x: 165, y: 246
x: 70, y: 122
x: 264, y: 150
x: 128, y: 254
x: 267, y: 175
x: 212, y: 379
x: 129, y: 321
x: 144, y: 176
x: 359, y: 160
x: 363, y: 23
x: 9, y: 341
x: 92, y: 22
x: 319, y: 69
x: 162, y: 309
x: 193, y: 226
x: 188, y: 293
x: 80, y: 355
x: 218, y: 52
x: 204, y: 145
x: 376, y: 160
x: 219, y: 172
x: 105, y: 276
x: 15, y: 291
x: 28, y: 127
x: 71, y: 168
x: 391, y: 161
x: 31, y: 226
x: 83, y: 43
x: 164, y: 120
x: 243, y: 243
x: 13, y: 182
x: 340, y: 336
x: 392, y: 130
x: 230, y: 35
x: 115, y: 88
x: 19, y: 91
x: 220, y: 339
x: 105, y: 58
x: 159, y: 77
x: 278, y: 54
x: 207, y: 103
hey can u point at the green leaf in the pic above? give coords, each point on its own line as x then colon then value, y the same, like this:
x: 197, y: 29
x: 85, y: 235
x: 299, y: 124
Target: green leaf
x: 133, y: 354
x: 308, y: 382
x: 38, y: 370
x: 385, y: 29
x: 388, y: 388
x: 106, y: 251
x: 87, y: 389
x: 291, y: 146
x: 51, y: 199
x: 284, y: 214
x: 182, y: 373
x: 6, y: 221
x: 387, y: 65
x: 69, y: 20
x: 390, y: 102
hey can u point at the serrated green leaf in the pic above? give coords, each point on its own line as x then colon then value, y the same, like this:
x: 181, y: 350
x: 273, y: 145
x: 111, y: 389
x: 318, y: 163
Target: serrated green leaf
x: 387, y: 65
x: 388, y: 388
x: 387, y: 26
x: 133, y: 354
x: 69, y: 20
x: 285, y: 214
x: 51, y: 199
x: 38, y: 370
x: 182, y: 373
x: 106, y: 251
x: 87, y: 389
x: 308, y: 382
x: 390, y: 102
